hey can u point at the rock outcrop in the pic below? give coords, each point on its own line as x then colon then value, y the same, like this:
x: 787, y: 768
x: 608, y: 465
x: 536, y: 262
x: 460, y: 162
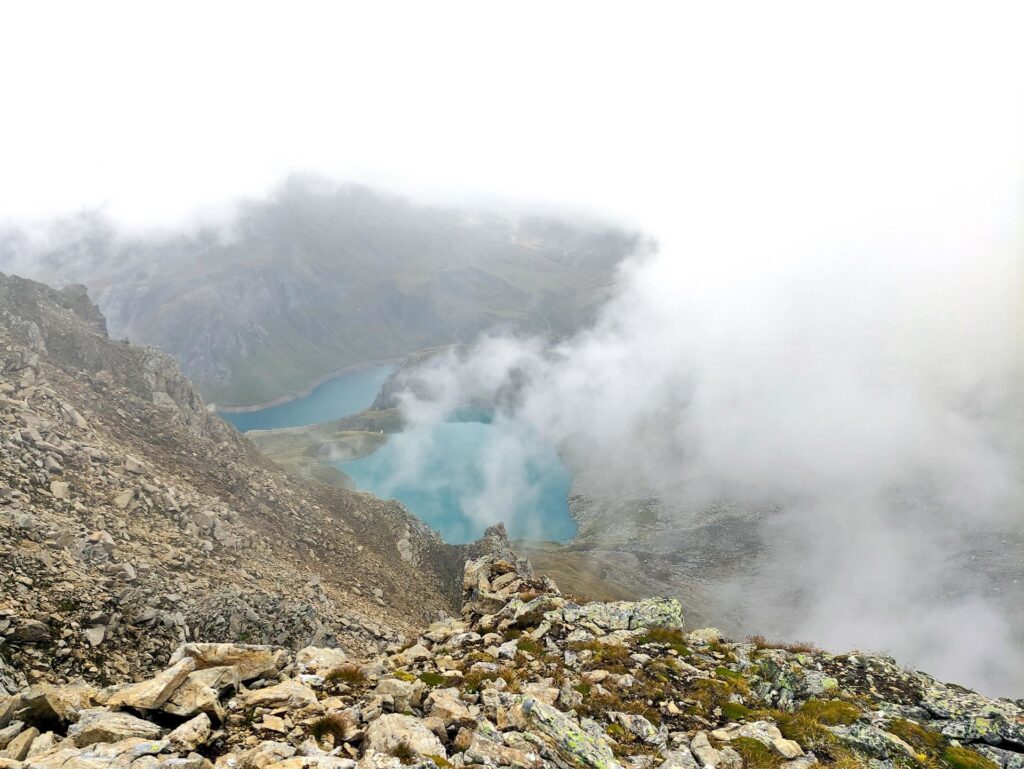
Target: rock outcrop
x: 526, y: 678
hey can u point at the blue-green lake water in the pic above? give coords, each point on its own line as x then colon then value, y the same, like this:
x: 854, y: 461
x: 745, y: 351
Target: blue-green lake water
x: 459, y: 476
x: 334, y: 399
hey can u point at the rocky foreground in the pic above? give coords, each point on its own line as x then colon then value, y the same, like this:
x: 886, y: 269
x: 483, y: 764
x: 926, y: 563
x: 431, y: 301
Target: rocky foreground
x: 525, y: 678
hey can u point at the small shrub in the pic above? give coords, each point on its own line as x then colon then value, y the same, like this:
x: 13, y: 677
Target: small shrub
x: 830, y: 712
x: 755, y: 754
x: 352, y: 675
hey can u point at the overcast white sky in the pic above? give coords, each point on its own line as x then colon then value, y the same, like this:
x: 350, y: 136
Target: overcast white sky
x: 652, y: 110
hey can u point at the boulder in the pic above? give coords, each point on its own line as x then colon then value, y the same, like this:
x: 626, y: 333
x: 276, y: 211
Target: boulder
x: 41, y: 744
x: 314, y: 659
x: 562, y: 734
x: 154, y: 692
x: 133, y: 465
x: 288, y: 694
x: 403, y: 694
x: 707, y: 755
x: 102, y: 725
x: 9, y: 732
x: 678, y: 759
x: 395, y: 731
x: 8, y: 704
x: 252, y: 661
x: 487, y: 752
x: 18, y: 748
x: 201, y: 692
x: 314, y: 762
x: 46, y: 704
x: 449, y: 707
x: 413, y: 654
x: 191, y: 734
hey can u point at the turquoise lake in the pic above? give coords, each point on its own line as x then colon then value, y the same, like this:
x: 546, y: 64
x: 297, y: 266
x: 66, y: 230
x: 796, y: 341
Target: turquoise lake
x: 459, y: 476
x: 334, y: 399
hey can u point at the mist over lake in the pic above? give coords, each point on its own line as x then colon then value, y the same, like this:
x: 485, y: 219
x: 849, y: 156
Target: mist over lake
x: 461, y: 477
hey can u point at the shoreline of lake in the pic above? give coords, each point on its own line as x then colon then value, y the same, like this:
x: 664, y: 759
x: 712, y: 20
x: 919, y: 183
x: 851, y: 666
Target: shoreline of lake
x: 307, y: 391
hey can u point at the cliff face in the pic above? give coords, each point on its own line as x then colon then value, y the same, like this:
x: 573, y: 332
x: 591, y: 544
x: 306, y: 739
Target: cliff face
x: 132, y: 519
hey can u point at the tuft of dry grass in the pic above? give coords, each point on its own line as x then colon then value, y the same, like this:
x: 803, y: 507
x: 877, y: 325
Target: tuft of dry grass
x: 353, y: 675
x: 474, y: 680
x: 665, y: 636
x: 404, y: 753
x: 332, y: 725
x: 796, y: 647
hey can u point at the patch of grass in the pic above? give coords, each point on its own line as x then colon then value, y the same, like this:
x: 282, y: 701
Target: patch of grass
x: 830, y: 712
x: 616, y: 732
x: 803, y: 729
x: 796, y: 647
x: 734, y: 711
x: 404, y: 675
x: 666, y: 636
x: 353, y: 675
x: 583, y: 688
x: 474, y: 680
x: 916, y: 736
x: 333, y: 725
x: 609, y: 656
x: 626, y: 744
x: 717, y: 647
x: 755, y: 754
x: 432, y: 679
x: 732, y: 675
x: 528, y: 645
x: 712, y: 693
x: 598, y: 705
x: 965, y: 758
